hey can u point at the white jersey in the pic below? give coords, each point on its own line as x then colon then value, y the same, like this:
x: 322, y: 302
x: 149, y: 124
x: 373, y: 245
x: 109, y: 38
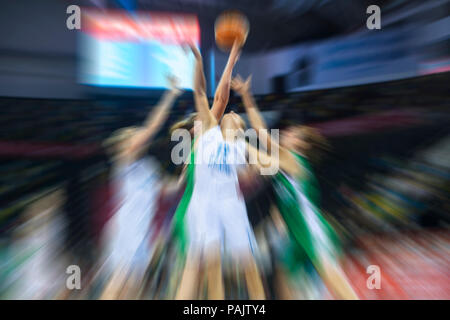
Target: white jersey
x: 41, y: 275
x: 217, y: 214
x: 128, y: 230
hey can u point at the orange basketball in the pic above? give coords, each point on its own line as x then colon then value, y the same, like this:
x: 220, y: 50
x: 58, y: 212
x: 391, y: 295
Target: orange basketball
x: 231, y: 26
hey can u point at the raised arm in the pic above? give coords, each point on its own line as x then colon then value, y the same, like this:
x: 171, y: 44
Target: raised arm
x: 243, y: 89
x: 155, y: 119
x: 254, y: 116
x: 200, y: 98
x: 222, y: 93
x: 199, y: 75
x: 286, y: 159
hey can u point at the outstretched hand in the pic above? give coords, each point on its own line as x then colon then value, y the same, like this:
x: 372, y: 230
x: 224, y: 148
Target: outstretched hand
x: 241, y: 86
x: 174, y: 85
x: 195, y: 51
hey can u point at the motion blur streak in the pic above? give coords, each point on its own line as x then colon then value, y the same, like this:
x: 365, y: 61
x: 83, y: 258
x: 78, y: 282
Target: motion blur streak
x: 378, y: 98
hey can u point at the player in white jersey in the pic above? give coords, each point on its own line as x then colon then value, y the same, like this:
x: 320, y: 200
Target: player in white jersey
x: 212, y: 218
x: 126, y: 236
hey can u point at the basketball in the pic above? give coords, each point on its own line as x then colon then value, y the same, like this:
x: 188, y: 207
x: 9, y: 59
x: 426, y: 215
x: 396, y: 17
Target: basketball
x: 231, y: 26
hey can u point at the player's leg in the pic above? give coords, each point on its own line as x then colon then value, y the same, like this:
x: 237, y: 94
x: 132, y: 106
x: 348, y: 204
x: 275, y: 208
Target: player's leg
x: 282, y: 287
x: 115, y: 284
x: 336, y: 280
x: 240, y: 240
x: 253, y: 279
x: 188, y: 285
x: 214, y: 273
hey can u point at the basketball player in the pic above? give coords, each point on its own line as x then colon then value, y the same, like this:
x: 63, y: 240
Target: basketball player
x: 297, y: 198
x: 38, y: 257
x: 137, y: 179
x: 212, y: 213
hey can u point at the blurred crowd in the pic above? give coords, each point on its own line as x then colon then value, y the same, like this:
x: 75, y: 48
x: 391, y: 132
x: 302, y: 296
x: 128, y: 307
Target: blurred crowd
x: 384, y: 186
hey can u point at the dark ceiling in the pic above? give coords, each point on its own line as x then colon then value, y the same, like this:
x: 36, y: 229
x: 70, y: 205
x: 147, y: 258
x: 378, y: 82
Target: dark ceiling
x: 273, y: 23
x: 276, y: 23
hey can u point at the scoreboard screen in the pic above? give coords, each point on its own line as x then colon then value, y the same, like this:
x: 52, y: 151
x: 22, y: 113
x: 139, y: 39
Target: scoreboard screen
x: 123, y: 49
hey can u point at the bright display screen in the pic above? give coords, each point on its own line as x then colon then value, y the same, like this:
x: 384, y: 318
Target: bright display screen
x: 124, y: 49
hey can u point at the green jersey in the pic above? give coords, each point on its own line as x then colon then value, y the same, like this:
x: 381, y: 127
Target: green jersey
x: 310, y: 235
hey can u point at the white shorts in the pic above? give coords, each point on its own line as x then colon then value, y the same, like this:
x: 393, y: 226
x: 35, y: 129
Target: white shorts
x: 224, y: 225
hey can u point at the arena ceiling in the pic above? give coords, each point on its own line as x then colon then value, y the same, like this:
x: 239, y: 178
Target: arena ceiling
x: 274, y: 23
